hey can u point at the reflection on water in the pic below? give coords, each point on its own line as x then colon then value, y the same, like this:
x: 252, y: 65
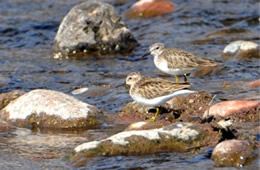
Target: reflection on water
x: 27, y: 30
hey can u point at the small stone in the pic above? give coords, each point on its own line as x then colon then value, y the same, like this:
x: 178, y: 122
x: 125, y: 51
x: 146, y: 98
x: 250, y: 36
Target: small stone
x: 79, y: 91
x: 241, y: 49
x: 226, y: 108
x: 137, y: 125
x: 150, y: 8
x: 232, y: 153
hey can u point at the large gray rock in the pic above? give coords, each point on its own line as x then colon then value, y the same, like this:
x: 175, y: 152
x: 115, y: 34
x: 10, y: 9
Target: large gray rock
x: 92, y: 28
x: 51, y: 109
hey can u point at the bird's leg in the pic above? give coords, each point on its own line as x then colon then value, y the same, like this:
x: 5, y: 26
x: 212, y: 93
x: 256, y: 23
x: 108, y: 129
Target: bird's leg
x: 185, y: 78
x: 177, y: 79
x: 155, y: 115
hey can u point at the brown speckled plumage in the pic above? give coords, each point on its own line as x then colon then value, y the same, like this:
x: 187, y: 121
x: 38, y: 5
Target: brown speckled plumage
x: 149, y: 88
x: 177, y: 61
x: 178, y: 58
x: 155, y: 87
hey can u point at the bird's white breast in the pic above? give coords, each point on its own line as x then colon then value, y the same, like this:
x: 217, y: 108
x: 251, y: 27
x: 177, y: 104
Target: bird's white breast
x: 159, y: 100
x: 163, y: 66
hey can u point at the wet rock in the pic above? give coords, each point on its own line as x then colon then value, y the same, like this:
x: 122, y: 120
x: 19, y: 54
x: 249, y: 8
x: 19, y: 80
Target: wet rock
x: 181, y: 108
x: 150, y: 8
x: 180, y: 137
x: 92, y: 28
x: 226, y: 108
x: 228, y: 31
x: 5, y: 127
x: 254, y: 84
x: 241, y: 49
x: 51, y: 109
x: 232, y: 153
x: 6, y: 98
x: 137, y: 125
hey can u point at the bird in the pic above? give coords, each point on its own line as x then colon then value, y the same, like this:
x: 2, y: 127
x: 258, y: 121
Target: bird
x: 154, y: 92
x: 175, y: 61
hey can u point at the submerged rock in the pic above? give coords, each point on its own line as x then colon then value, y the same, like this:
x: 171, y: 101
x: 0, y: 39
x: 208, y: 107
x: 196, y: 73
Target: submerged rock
x: 150, y: 8
x: 226, y: 108
x: 232, y: 153
x: 92, y: 28
x: 241, y: 49
x: 181, y: 137
x: 51, y: 109
x: 253, y: 84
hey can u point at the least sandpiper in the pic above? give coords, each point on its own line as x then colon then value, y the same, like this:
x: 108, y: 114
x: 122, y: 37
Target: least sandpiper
x: 176, y: 61
x: 154, y: 91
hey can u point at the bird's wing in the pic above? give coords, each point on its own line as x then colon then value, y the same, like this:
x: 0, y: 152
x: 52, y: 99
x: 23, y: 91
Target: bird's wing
x: 178, y: 58
x: 206, y: 62
x: 156, y: 87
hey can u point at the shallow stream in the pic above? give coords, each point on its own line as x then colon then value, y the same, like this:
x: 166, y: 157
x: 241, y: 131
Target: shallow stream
x: 27, y: 30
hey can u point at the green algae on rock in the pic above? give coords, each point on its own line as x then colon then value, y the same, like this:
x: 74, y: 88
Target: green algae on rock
x: 180, y: 137
x: 6, y: 98
x: 51, y: 109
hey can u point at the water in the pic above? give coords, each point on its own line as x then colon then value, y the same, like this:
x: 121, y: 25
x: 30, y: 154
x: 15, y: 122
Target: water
x: 27, y: 30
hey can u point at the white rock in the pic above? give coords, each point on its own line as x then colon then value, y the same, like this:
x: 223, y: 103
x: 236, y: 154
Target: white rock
x: 79, y: 91
x: 240, y: 45
x: 182, y: 133
x: 49, y: 102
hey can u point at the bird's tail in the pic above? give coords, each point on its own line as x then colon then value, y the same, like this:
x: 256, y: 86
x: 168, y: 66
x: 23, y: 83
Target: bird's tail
x: 207, y: 63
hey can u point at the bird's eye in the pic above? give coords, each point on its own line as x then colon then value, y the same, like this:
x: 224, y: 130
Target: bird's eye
x: 157, y: 48
x: 130, y: 78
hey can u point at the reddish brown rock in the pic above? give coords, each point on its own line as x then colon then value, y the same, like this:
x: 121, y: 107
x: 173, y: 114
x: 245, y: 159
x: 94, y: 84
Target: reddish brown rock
x: 254, y: 84
x: 150, y: 8
x: 227, y: 108
x: 232, y: 153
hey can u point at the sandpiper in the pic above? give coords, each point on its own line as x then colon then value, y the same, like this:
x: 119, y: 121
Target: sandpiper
x: 154, y: 91
x: 176, y: 61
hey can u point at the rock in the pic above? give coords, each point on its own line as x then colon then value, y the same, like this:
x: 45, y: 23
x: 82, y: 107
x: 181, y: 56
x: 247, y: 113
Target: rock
x: 254, y: 84
x: 180, y: 137
x: 241, y: 49
x: 232, y: 153
x: 150, y: 8
x: 92, y: 28
x: 226, y: 108
x: 181, y: 108
x: 6, y: 98
x: 229, y: 31
x: 51, y: 109
x: 5, y: 127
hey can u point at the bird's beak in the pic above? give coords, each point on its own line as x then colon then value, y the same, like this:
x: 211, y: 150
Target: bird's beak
x: 127, y: 86
x: 144, y: 56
